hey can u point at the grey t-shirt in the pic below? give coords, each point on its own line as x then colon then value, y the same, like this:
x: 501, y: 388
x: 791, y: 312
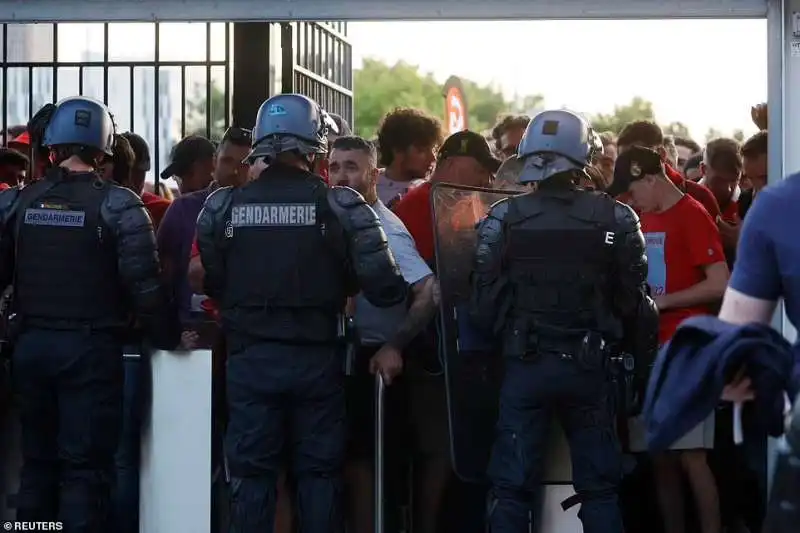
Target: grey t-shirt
x: 389, y: 190
x: 377, y: 325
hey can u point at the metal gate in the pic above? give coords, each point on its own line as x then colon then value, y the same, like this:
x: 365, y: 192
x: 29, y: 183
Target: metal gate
x: 318, y: 62
x: 151, y: 88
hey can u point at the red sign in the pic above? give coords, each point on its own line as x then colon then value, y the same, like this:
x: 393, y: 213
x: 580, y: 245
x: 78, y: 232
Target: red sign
x: 455, y: 106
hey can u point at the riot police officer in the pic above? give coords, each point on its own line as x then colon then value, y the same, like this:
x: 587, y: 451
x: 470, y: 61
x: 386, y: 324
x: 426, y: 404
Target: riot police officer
x: 80, y: 254
x: 560, y: 273
x: 281, y: 254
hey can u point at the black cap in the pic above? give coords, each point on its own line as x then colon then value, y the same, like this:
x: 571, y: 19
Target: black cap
x: 342, y: 125
x: 140, y: 150
x: 189, y: 150
x: 632, y: 165
x: 470, y: 144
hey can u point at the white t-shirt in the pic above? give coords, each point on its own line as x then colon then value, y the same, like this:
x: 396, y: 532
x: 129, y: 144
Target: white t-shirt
x: 377, y: 325
x: 389, y: 189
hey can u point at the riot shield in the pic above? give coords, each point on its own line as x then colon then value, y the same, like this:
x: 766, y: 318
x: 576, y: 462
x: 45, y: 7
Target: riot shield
x: 472, y: 365
x: 507, y: 177
x: 472, y: 362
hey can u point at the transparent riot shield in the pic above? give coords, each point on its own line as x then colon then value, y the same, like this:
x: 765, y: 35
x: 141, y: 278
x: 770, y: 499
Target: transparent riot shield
x: 472, y: 364
x: 507, y: 177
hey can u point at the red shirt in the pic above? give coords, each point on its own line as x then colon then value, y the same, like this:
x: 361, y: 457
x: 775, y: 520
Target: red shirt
x: 699, y: 192
x: 156, y: 206
x: 414, y: 209
x: 208, y: 304
x: 731, y: 212
x: 681, y: 242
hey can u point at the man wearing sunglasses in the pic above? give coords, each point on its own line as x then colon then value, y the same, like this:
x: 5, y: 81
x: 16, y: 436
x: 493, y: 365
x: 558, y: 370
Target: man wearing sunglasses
x: 231, y: 168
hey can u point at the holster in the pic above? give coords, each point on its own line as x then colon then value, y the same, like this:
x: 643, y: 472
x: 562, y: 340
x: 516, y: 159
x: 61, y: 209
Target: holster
x: 529, y: 340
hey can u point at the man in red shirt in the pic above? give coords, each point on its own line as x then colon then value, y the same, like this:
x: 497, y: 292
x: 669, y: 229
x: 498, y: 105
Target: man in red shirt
x: 648, y: 134
x: 687, y: 274
x: 722, y: 171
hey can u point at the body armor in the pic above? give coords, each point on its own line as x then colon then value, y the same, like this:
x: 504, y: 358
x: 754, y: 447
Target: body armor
x: 66, y: 260
x: 286, y: 267
x: 559, y: 253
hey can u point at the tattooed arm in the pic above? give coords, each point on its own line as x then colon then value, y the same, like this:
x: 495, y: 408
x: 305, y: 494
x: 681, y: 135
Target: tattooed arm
x: 420, y: 313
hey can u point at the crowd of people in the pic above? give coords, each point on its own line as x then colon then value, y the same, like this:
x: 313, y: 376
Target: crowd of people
x: 691, y: 201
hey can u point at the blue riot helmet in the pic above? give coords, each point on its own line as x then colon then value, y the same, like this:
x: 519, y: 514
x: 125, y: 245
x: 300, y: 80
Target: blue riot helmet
x: 80, y: 121
x: 554, y: 142
x: 290, y: 122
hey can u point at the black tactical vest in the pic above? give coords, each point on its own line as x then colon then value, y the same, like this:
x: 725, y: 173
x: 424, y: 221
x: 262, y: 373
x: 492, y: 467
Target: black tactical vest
x: 66, y: 260
x: 286, y: 264
x: 559, y: 259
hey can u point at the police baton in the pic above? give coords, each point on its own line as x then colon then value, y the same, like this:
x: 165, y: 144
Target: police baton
x: 380, y: 388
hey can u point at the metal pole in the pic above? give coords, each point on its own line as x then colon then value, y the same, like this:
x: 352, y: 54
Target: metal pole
x: 380, y: 387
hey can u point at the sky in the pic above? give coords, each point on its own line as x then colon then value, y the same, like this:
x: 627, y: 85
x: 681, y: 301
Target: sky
x: 704, y: 73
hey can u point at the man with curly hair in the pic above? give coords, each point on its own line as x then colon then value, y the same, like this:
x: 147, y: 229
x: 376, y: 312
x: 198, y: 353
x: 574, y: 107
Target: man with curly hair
x: 408, y: 139
x: 508, y: 133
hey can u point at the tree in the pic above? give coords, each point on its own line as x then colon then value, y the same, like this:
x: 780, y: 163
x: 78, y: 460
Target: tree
x: 196, y: 111
x: 528, y: 105
x: 739, y: 136
x: 677, y: 129
x: 637, y: 109
x: 379, y: 88
x: 712, y: 134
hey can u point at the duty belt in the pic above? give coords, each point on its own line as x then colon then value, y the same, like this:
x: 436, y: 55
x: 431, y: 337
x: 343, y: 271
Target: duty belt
x: 588, y: 349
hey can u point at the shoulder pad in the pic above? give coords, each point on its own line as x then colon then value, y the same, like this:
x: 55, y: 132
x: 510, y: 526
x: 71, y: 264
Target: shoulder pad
x: 626, y: 217
x: 345, y: 197
x: 499, y: 209
x: 219, y: 199
x: 214, y: 209
x: 120, y: 199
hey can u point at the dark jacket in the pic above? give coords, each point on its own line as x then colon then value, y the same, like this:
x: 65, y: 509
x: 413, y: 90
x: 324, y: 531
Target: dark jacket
x: 692, y: 369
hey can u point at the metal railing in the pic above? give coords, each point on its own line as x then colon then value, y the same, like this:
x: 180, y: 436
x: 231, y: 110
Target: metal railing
x: 41, y: 64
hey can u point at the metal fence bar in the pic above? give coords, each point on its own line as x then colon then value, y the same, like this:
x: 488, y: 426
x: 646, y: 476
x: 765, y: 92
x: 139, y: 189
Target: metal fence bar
x: 323, y: 65
x: 30, y: 91
x: 142, y: 63
x: 55, y: 63
x: 5, y: 85
x: 228, y: 74
x: 132, y: 92
x: 105, y: 63
x: 209, y: 92
x: 156, y: 160
x: 183, y: 101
